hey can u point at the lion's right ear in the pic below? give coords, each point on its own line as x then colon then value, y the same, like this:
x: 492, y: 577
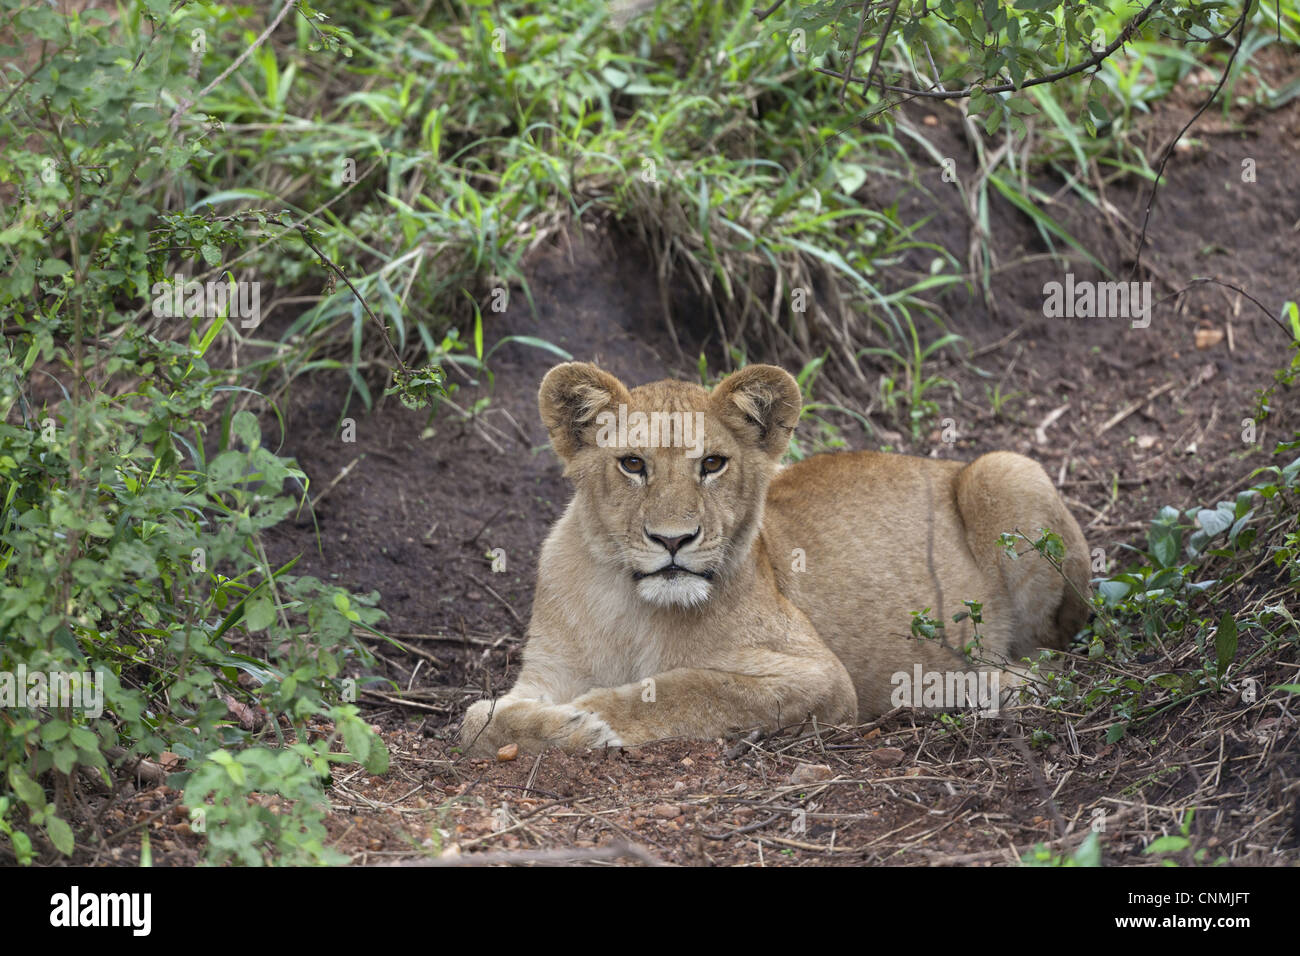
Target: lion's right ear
x: 571, y: 397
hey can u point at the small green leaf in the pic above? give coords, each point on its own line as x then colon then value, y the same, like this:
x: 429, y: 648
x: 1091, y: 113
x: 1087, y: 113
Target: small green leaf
x: 236, y: 773
x: 1292, y: 312
x: 244, y: 426
x: 27, y: 789
x: 53, y: 267
x: 61, y: 835
x: 22, y: 846
x: 67, y: 640
x: 1168, y: 844
x: 1225, y: 642
x: 993, y: 120
x: 358, y: 738
x: 1114, y: 591
x: 65, y: 758
x: 259, y: 612
x: 1089, y: 852
x: 1214, y: 522
x: 1164, y: 547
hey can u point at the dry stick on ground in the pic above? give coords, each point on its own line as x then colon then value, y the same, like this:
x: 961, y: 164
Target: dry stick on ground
x: 343, y: 473
x: 588, y: 816
x: 483, y: 527
x: 417, y: 651
x: 615, y: 851
x: 523, y: 435
x: 881, y: 720
x: 403, y: 702
x: 747, y: 828
x: 745, y: 744
x: 994, y: 346
x: 1018, y: 742
x: 532, y: 774
x: 1040, y: 433
x: 140, y: 824
x: 1065, y: 462
x: 479, y: 420
x: 149, y: 770
x: 506, y: 604
x: 445, y: 638
x: 1128, y: 410
x: 521, y: 818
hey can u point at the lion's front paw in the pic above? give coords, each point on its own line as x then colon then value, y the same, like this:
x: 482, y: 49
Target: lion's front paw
x: 532, y: 724
x: 583, y: 728
x: 476, y: 736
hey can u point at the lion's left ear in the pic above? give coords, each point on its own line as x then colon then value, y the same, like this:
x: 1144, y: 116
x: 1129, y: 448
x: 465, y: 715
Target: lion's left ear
x: 761, y: 402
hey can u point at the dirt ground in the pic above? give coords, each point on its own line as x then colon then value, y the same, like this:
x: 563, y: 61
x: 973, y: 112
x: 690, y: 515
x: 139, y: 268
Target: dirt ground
x: 1126, y: 420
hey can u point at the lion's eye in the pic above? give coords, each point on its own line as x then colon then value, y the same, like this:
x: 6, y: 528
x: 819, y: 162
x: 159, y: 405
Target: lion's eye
x: 712, y: 463
x: 632, y: 464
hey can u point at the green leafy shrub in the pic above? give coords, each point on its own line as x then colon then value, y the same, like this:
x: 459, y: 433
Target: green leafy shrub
x: 134, y: 490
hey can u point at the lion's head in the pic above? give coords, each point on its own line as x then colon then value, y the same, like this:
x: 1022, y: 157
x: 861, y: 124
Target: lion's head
x: 670, y: 477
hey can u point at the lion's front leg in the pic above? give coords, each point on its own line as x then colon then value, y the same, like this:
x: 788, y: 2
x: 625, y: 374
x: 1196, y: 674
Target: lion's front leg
x: 533, y: 724
x: 701, y: 703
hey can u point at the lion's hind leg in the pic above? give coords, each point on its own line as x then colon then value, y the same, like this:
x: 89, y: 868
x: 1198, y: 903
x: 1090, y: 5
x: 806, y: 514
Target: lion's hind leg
x: 1003, y: 492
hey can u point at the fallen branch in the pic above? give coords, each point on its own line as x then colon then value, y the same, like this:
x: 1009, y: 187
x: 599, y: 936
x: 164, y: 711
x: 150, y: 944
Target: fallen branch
x: 1040, y: 433
x: 615, y: 851
x: 1124, y: 413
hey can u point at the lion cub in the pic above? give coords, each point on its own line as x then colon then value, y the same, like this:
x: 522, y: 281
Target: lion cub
x: 695, y: 587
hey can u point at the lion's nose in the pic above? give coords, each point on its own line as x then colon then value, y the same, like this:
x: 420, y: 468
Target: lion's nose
x: 673, y: 542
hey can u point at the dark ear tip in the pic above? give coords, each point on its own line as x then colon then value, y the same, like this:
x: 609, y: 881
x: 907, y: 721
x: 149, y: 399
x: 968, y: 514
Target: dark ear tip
x: 565, y: 369
x: 771, y: 374
x: 773, y: 378
x: 566, y: 375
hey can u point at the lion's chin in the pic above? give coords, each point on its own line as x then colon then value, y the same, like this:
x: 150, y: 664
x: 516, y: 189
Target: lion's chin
x: 677, y: 590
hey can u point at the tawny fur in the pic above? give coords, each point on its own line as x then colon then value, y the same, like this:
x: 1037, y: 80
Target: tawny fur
x: 815, y: 570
